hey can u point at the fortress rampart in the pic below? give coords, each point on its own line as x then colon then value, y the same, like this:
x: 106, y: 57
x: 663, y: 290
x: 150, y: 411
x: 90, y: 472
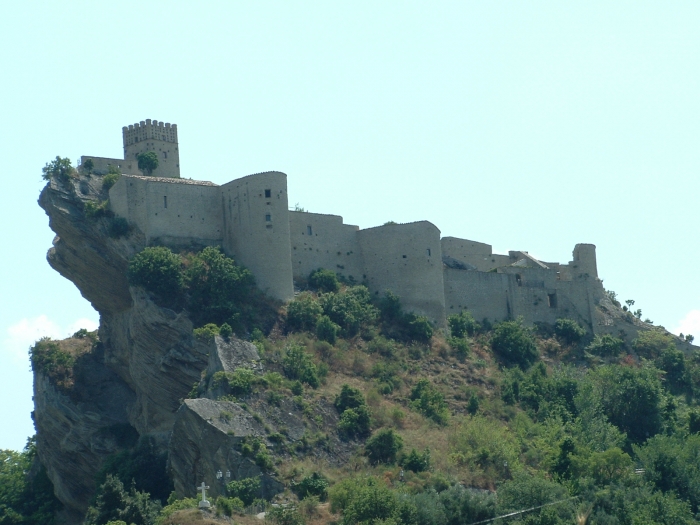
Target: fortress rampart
x: 250, y: 219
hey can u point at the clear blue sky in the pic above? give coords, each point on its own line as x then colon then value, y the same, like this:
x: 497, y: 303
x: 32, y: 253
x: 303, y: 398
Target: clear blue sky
x: 526, y: 125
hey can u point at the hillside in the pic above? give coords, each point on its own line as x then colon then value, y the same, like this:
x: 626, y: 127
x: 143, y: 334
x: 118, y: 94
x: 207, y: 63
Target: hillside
x: 338, y: 406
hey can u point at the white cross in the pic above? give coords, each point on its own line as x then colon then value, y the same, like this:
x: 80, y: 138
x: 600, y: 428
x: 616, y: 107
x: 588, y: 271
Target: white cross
x: 204, y: 502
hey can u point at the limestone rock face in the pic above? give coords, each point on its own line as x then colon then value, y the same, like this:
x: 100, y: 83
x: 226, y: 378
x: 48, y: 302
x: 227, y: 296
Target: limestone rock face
x: 77, y: 430
x: 206, y: 438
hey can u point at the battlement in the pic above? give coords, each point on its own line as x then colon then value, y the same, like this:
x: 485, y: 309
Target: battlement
x: 149, y: 130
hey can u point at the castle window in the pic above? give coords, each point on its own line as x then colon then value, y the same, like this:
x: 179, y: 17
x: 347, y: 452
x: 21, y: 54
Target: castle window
x: 427, y: 252
x: 309, y: 231
x: 165, y: 154
x: 552, y: 299
x: 165, y: 201
x: 268, y: 217
x: 268, y: 194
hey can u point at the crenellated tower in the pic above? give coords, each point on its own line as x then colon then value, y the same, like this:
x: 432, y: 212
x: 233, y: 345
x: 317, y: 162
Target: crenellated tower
x: 159, y: 137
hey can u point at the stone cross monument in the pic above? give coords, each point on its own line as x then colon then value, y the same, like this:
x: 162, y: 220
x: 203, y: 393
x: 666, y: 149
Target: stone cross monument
x: 204, y: 504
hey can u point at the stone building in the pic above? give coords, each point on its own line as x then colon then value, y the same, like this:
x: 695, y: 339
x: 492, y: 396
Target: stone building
x: 250, y: 219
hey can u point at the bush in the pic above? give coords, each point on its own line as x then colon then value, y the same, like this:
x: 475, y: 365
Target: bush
x: 314, y: 485
x: 348, y: 398
x: 47, y: 357
x: 118, y: 227
x: 284, y: 516
x: 297, y: 364
x: 416, y: 462
x: 324, y: 280
x: 174, y: 505
x: 605, y: 346
x: 462, y: 324
x: 59, y: 168
x: 569, y: 330
x: 350, y: 309
x: 420, y: 328
x: 247, y: 490
x: 158, y: 270
x: 390, y: 307
x: 460, y: 347
x: 430, y: 402
x: 326, y: 330
x: 355, y: 423
x: 239, y: 382
x: 207, y: 332
x: 652, y: 343
x: 115, y: 504
x: 303, y: 313
x: 514, y: 344
x: 95, y: 210
x: 228, y: 506
x: 383, y: 447
x: 110, y: 180
x: 226, y: 331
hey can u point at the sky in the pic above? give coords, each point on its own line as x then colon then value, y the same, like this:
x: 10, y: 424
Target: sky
x: 525, y: 125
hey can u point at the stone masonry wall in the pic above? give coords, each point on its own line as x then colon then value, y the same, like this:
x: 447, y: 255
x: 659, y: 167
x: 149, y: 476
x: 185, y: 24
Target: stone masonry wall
x: 407, y: 260
x: 323, y: 241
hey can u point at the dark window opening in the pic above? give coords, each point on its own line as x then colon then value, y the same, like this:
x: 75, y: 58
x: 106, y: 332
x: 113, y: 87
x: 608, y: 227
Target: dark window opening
x: 268, y: 194
x: 268, y: 217
x: 518, y: 279
x: 165, y: 201
x: 309, y: 231
x: 403, y: 256
x: 552, y: 298
x: 428, y: 252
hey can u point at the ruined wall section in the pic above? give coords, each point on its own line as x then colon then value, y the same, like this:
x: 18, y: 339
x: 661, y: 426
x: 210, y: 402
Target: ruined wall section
x: 101, y: 165
x: 256, y: 229
x: 323, y: 241
x: 472, y: 254
x: 159, y: 137
x: 169, y: 211
x: 406, y: 259
x: 584, y: 262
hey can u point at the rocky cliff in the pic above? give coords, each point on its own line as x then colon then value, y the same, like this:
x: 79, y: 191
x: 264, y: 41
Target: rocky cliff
x: 133, y: 381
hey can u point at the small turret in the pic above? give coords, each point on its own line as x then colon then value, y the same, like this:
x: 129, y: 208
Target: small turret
x: 584, y: 262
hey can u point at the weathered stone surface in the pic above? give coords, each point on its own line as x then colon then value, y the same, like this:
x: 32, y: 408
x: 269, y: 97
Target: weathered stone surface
x: 77, y: 430
x: 205, y: 439
x: 228, y: 355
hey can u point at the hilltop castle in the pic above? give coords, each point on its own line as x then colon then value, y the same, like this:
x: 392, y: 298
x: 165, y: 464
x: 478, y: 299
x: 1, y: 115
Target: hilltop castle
x: 250, y: 219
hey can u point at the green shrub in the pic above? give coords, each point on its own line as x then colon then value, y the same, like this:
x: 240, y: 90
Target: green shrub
x: 460, y: 347
x: 147, y: 161
x: 514, y: 344
x: 158, y: 270
x: 217, y: 287
x: 303, y: 313
x: 326, y: 330
x: 569, y: 330
x: 324, y: 280
x: 206, y: 332
x: 297, y: 364
x: 47, y: 357
x: 113, y: 503
x: 350, y: 309
x: 419, y: 328
x: 238, y: 383
x: 651, y: 343
x: 226, y: 331
x: 110, y: 180
x: 59, y: 168
x: 355, y: 423
x: 118, y: 227
x: 174, y: 506
x: 229, y: 506
x: 382, y: 346
x: 605, y: 346
x: 383, y: 447
x: 415, y: 461
x: 430, y: 402
x: 284, y: 516
x: 313, y: 485
x: 390, y: 307
x: 95, y: 210
x: 246, y: 490
x: 349, y: 397
x: 462, y: 324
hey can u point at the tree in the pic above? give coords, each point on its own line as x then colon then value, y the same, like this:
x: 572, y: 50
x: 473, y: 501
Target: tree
x: 324, y: 280
x: 59, y: 168
x: 148, y: 162
x: 514, y: 343
x: 158, y: 270
x: 569, y: 330
x: 383, y: 447
x: 88, y: 166
x: 462, y: 324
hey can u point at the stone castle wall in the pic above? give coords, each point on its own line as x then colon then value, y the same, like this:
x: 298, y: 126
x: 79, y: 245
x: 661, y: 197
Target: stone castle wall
x: 256, y: 229
x: 406, y: 259
x: 250, y: 219
x: 323, y: 241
